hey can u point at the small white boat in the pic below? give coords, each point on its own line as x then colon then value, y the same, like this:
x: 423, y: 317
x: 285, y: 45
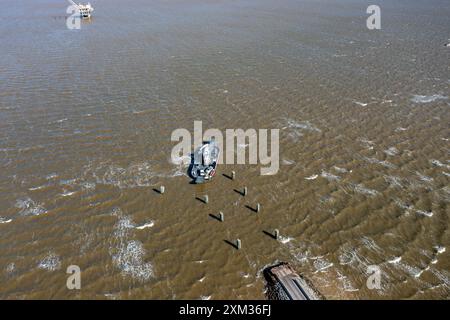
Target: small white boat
x: 84, y: 9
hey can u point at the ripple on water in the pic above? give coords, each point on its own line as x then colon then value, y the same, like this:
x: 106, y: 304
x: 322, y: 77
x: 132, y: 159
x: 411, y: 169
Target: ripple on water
x: 392, y: 151
x: 329, y: 176
x: 427, y: 99
x: 142, y: 174
x: 146, y: 225
x: 29, y: 207
x: 4, y: 220
x: 321, y: 264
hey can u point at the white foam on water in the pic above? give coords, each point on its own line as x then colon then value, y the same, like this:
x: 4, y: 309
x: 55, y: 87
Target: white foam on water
x: 133, y: 176
x: 439, y: 164
x: 399, y: 129
x: 183, y: 160
x: 427, y: 99
x: 425, y: 213
x: 446, y: 173
x: 68, y: 182
x: 146, y: 225
x: 4, y: 220
x: 200, y: 261
x: 426, y: 253
x: 392, y: 151
x: 272, y: 172
x: 363, y: 190
x: 128, y: 255
x: 395, y: 260
x: 51, y: 176
x: 37, y: 188
x: 288, y: 162
x: 68, y: 193
x: 321, y: 264
x: 295, y: 135
x: 439, y: 249
x: 424, y: 177
x: 371, y: 244
x: 313, y: 177
x: 121, y: 229
x: 411, y: 270
x: 405, y: 206
x: 366, y: 143
x: 51, y: 262
x: 329, y: 176
x: 88, y: 185
x: 300, y: 256
x: 350, y: 256
x: 340, y: 170
x: 301, y: 125
x: 10, y: 268
x: 136, y: 175
x: 28, y: 207
x: 360, y: 103
x: 393, y: 181
x: 116, y: 212
x: 130, y: 260
x: 285, y: 240
x: 202, y: 279
x: 205, y: 297
x: 384, y: 163
x: 443, y: 276
x: 112, y: 296
x: 421, y: 271
x: 346, y: 283
x: 177, y: 173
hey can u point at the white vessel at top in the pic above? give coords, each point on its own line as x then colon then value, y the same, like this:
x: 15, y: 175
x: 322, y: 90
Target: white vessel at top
x: 84, y: 9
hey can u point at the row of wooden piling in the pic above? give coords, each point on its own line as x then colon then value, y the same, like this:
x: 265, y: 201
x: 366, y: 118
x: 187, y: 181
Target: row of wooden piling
x: 221, y: 216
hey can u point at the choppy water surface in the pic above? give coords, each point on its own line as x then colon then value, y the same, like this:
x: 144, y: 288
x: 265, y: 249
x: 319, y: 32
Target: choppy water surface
x: 85, y: 124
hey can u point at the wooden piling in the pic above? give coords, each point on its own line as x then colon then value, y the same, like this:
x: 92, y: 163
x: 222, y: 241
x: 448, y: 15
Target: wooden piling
x: 233, y: 175
x: 258, y: 207
x: 276, y: 234
x: 221, y: 216
x: 245, y: 192
x: 206, y: 199
x: 162, y: 189
x: 238, y: 244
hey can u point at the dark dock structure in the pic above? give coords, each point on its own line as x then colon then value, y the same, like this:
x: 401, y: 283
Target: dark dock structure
x: 283, y: 283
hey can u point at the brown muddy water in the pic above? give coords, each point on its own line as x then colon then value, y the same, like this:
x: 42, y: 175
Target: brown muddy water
x: 85, y: 124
